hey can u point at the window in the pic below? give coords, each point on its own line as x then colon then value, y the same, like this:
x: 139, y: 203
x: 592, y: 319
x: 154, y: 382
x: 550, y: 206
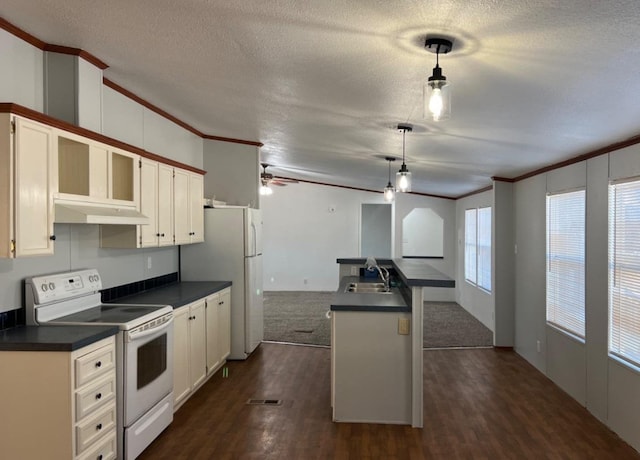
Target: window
x: 565, y: 261
x: 624, y: 270
x: 477, y: 247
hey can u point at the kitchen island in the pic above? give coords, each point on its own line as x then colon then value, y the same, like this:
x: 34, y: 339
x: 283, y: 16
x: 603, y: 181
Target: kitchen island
x: 376, y: 344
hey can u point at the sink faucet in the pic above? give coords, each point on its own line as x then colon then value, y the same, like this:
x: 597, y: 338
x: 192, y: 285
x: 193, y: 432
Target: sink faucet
x: 372, y: 265
x: 384, y: 275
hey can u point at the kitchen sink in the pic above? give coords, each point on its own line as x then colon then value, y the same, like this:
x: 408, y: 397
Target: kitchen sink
x: 367, y: 288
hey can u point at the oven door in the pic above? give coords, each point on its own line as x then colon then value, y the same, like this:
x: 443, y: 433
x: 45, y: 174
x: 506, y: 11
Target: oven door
x: 148, y: 367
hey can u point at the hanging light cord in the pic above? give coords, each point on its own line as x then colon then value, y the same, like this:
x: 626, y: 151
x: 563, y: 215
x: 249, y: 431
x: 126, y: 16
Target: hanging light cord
x: 389, y: 161
x: 404, y: 132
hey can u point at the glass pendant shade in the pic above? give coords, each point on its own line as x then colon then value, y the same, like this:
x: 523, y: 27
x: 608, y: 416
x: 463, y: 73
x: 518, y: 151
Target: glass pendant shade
x: 389, y: 193
x: 437, y: 100
x: 403, y: 179
x: 265, y: 190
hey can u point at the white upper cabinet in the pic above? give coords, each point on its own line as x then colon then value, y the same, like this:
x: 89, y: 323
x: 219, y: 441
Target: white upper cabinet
x: 188, y: 208
x: 182, y: 223
x: 92, y: 172
x: 196, y: 207
x: 149, y: 199
x: 168, y: 199
x: 28, y: 176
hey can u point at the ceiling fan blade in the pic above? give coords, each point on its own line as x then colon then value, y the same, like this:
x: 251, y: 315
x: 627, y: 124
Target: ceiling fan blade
x: 284, y: 179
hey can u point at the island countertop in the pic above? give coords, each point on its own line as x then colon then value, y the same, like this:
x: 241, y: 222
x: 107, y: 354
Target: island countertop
x: 414, y: 272
x: 353, y: 301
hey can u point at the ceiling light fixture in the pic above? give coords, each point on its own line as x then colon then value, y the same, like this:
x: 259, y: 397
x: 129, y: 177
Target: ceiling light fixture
x: 265, y: 190
x: 389, y: 190
x: 437, y: 96
x: 403, y: 176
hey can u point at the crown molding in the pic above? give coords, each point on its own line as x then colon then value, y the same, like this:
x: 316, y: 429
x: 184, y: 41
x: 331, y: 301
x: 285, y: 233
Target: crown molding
x: 31, y: 39
x: 16, y: 109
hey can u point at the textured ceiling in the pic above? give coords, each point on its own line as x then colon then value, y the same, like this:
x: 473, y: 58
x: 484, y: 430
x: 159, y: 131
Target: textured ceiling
x: 322, y: 84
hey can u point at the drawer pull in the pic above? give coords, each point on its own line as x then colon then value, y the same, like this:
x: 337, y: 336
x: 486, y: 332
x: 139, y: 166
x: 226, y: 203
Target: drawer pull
x: 99, y: 457
x: 99, y: 364
x: 98, y: 426
x: 99, y: 395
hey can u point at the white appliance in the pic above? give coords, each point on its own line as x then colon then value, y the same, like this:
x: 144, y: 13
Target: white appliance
x: 232, y: 251
x: 144, y: 349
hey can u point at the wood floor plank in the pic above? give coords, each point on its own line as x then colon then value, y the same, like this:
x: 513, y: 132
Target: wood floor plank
x: 478, y: 404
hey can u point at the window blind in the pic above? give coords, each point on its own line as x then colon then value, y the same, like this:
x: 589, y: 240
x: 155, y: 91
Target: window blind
x: 484, y: 248
x: 470, y: 236
x: 565, y: 261
x: 624, y: 270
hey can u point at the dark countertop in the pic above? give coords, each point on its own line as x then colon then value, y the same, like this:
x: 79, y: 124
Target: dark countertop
x: 176, y: 294
x: 52, y: 338
x: 349, y: 301
x: 414, y: 272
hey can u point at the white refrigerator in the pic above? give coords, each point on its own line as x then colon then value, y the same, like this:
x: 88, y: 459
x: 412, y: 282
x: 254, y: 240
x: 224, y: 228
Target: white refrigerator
x: 232, y: 251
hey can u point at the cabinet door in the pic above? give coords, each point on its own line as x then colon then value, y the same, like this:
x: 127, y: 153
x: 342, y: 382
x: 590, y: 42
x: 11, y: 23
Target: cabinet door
x: 149, y: 202
x: 196, y: 195
x: 98, y: 171
x: 165, y: 204
x: 35, y: 182
x: 124, y: 180
x: 182, y: 223
x: 198, y: 343
x: 213, y: 349
x: 181, y: 351
x: 224, y: 323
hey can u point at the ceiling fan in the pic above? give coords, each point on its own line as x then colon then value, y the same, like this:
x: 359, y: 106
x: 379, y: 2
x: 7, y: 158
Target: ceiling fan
x: 267, y: 179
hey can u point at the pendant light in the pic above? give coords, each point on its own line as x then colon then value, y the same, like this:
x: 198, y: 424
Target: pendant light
x: 403, y: 176
x: 389, y: 190
x: 264, y: 189
x: 437, y: 94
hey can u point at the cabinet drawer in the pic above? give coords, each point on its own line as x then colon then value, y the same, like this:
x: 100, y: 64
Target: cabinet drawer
x: 95, y: 395
x: 94, y: 364
x: 95, y: 427
x: 105, y: 449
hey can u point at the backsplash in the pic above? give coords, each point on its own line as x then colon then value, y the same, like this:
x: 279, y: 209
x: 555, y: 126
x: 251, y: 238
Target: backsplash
x: 12, y: 318
x: 114, y: 293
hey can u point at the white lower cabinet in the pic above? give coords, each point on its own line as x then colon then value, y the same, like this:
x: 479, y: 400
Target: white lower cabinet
x: 218, y: 329
x: 189, y: 345
x: 201, y: 343
x: 62, y: 404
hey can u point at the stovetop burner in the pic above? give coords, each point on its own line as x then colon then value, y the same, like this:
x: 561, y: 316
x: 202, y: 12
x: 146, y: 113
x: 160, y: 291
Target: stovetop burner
x: 109, y: 314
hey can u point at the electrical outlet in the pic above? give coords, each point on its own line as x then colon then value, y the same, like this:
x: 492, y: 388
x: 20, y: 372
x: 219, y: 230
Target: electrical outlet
x: 538, y: 345
x: 403, y: 326
x: 149, y: 263
x: 354, y: 271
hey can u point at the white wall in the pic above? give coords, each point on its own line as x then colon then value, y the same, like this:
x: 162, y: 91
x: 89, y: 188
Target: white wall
x: 609, y: 389
x: 21, y: 72
x: 126, y: 120
x: 77, y: 246
x: 476, y: 301
x: 303, y: 237
x: 446, y: 209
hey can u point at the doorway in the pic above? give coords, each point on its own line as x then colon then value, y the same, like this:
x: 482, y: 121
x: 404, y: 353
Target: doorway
x: 375, y: 230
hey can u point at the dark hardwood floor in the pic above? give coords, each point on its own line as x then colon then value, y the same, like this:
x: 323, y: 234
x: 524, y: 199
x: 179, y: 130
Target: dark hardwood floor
x: 479, y: 404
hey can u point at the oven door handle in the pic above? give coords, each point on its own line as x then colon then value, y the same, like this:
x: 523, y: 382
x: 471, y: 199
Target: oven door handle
x: 148, y: 332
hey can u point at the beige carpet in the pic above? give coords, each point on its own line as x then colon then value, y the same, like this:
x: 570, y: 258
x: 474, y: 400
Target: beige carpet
x: 300, y: 317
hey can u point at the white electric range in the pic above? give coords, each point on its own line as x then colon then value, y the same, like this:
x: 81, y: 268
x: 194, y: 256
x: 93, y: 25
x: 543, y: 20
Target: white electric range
x: 144, y: 349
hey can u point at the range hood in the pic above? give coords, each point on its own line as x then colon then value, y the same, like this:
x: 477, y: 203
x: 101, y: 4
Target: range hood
x: 69, y: 212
